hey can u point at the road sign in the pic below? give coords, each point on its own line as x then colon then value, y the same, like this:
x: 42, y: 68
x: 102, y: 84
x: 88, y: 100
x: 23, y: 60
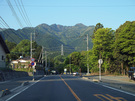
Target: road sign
x: 65, y: 70
x: 100, y: 61
x: 32, y: 63
x: 32, y: 59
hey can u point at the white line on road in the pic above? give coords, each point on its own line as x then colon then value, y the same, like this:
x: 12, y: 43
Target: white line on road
x: 119, y: 90
x: 112, y: 88
x: 23, y: 90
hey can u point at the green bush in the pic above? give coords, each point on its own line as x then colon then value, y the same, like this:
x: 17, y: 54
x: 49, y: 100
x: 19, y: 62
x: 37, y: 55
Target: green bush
x: 24, y: 69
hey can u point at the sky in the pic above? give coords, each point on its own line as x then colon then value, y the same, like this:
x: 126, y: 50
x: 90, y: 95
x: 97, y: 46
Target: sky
x: 110, y: 13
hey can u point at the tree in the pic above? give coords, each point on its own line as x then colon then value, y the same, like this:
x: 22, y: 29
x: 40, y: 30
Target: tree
x: 11, y: 46
x: 103, y: 44
x: 125, y: 44
x: 23, y: 48
x: 98, y: 26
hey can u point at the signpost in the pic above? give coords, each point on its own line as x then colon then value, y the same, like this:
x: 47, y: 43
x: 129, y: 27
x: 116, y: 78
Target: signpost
x: 33, y: 64
x: 65, y: 70
x: 32, y: 59
x: 100, y: 61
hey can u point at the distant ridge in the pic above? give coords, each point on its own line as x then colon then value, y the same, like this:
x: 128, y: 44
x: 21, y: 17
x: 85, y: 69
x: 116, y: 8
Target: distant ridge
x: 54, y: 35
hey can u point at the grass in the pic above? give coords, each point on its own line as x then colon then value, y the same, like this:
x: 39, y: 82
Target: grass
x: 23, y: 69
x: 16, y: 69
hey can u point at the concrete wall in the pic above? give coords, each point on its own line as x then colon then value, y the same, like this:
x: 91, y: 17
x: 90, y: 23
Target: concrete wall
x: 4, y: 76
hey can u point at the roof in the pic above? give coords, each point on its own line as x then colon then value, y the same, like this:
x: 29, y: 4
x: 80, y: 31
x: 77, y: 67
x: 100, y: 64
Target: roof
x: 2, y: 42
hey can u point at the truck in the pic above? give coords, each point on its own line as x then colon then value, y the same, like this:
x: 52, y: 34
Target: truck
x: 131, y: 73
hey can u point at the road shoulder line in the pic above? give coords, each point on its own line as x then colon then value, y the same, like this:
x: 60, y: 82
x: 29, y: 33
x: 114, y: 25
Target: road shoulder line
x: 23, y: 90
x: 118, y: 90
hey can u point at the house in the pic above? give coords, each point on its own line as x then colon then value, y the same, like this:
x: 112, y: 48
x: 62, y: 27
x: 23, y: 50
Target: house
x: 21, y: 63
x: 3, y: 51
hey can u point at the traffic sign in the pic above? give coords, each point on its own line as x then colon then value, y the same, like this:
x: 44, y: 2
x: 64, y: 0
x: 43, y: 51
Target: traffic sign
x: 32, y: 63
x: 100, y: 61
x: 32, y: 59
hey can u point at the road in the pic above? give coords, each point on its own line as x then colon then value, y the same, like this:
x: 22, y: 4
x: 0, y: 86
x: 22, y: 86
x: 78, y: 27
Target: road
x: 68, y: 88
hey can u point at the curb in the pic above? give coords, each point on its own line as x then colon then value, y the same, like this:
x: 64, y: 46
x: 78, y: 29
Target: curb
x: 4, y: 92
x: 25, y: 83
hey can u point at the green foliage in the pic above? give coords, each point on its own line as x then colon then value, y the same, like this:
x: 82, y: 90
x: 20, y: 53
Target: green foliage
x: 103, y: 45
x: 125, y: 43
x: 98, y: 26
x: 22, y: 49
x: 116, y: 48
x: 24, y: 69
x: 51, y: 36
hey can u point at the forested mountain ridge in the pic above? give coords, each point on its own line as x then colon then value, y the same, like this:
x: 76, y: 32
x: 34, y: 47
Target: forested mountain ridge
x: 49, y: 36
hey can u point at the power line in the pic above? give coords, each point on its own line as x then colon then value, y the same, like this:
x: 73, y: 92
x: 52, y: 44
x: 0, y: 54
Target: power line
x: 14, y: 13
x: 26, y: 14
x: 3, y: 24
x: 82, y: 6
x: 20, y: 11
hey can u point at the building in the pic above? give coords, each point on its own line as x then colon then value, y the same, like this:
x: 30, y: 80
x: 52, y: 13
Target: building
x: 3, y: 51
x: 21, y: 63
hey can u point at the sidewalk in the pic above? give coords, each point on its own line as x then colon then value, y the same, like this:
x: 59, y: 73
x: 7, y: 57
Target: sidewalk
x: 119, y: 82
x: 11, y: 84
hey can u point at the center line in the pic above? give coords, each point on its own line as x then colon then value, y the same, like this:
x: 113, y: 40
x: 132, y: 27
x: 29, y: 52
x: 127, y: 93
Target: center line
x: 78, y: 99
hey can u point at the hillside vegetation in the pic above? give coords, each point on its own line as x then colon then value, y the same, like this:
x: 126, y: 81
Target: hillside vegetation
x: 53, y: 36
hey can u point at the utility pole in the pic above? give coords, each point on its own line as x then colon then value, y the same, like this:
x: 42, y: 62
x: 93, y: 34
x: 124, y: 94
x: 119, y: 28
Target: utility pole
x: 31, y: 45
x: 46, y: 59
x: 42, y: 55
x: 46, y: 69
x: 31, y: 49
x: 62, y: 53
x: 87, y: 56
x: 87, y: 42
x: 70, y: 63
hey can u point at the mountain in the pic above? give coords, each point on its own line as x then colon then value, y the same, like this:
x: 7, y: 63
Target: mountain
x: 53, y: 36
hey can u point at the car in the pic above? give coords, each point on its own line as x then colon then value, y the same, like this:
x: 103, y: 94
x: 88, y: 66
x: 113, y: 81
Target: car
x: 131, y: 73
x: 75, y: 73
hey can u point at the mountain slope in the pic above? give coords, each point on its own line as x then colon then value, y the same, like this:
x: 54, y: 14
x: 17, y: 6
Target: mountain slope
x: 51, y: 36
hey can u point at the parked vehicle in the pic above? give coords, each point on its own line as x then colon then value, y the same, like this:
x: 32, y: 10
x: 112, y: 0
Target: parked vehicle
x: 131, y: 73
x: 75, y: 74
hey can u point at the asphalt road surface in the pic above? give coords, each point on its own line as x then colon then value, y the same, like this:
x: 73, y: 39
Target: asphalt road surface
x: 69, y: 88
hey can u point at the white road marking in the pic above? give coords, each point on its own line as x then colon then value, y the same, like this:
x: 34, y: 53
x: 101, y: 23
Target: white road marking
x: 22, y: 90
x: 119, y: 90
x: 112, y: 88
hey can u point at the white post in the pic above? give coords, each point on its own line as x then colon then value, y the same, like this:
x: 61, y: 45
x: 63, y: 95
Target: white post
x: 100, y: 61
x: 99, y: 72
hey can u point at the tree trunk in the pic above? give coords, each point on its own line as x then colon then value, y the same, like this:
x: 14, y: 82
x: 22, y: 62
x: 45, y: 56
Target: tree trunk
x: 127, y: 69
x: 122, y: 68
